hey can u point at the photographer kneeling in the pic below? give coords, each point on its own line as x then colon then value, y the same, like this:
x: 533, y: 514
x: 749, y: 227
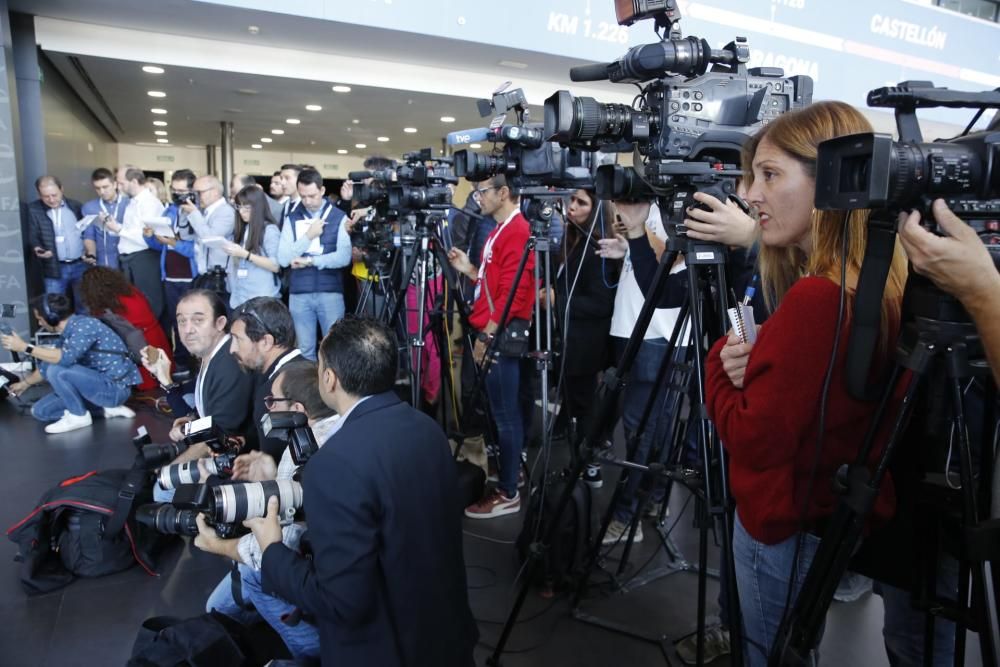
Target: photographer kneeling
x: 91, y: 367
x: 785, y: 442
x: 295, y: 389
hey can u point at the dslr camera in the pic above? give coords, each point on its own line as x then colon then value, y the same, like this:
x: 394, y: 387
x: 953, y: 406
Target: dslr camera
x: 179, y: 199
x: 293, y: 428
x: 225, y: 448
x: 225, y: 507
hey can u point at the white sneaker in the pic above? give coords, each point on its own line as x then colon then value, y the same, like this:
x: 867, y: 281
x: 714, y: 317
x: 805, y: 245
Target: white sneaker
x: 119, y: 411
x: 69, y: 422
x: 618, y: 532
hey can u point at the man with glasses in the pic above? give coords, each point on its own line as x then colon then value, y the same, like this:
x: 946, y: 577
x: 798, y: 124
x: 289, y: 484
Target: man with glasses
x: 263, y: 342
x: 510, y: 404
x: 139, y: 263
x: 316, y: 245
x: 213, y: 218
x: 295, y: 389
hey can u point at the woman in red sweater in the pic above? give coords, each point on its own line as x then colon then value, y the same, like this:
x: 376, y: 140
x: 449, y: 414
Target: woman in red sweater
x: 765, y: 399
x: 103, y: 289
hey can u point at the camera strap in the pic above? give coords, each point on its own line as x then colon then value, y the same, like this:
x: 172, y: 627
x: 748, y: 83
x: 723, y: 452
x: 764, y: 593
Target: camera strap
x: 866, y: 320
x: 131, y: 486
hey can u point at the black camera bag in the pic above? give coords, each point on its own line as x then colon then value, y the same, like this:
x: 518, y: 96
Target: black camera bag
x: 84, y: 527
x: 209, y: 640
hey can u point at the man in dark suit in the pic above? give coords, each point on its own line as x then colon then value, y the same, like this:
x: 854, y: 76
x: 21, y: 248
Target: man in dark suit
x: 386, y: 581
x: 222, y: 389
x: 55, y: 239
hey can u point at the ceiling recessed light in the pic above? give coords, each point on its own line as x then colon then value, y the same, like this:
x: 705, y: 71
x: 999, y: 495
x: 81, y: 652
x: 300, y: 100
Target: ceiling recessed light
x: 355, y: 121
x: 447, y: 119
x: 255, y: 146
x: 341, y: 151
x: 292, y: 121
x: 156, y: 93
x: 475, y: 145
x: 246, y: 91
x: 361, y: 145
x: 159, y: 111
x: 313, y: 107
x: 383, y: 139
x: 160, y: 133
x: 163, y: 141
x: 410, y: 130
x: 266, y: 140
x: 512, y: 63
x: 160, y: 123
x: 277, y: 131
x: 253, y: 30
x: 341, y: 89
x: 152, y: 69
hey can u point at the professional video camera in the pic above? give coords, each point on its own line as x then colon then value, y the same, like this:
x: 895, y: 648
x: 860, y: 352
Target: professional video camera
x: 225, y: 507
x: 293, y: 428
x: 419, y: 184
x: 872, y: 171
x: 526, y: 159
x: 685, y: 110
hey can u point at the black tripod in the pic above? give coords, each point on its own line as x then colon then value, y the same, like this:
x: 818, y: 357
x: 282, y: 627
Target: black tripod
x: 938, y: 341
x: 713, y: 496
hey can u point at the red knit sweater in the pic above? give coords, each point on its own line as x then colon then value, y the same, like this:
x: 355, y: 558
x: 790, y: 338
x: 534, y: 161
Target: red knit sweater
x: 769, y: 427
x: 501, y: 263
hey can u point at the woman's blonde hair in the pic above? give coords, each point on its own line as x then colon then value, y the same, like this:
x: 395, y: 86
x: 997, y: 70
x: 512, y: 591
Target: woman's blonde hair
x: 798, y: 134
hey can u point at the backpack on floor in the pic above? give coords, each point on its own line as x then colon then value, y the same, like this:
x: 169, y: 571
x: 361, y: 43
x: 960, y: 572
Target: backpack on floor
x: 564, y: 559
x: 209, y: 640
x: 84, y: 527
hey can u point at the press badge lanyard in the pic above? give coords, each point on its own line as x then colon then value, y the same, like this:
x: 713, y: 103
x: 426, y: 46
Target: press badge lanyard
x: 488, y: 249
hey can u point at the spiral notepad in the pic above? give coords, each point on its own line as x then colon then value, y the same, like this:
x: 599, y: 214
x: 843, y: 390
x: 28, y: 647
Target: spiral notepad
x: 741, y: 317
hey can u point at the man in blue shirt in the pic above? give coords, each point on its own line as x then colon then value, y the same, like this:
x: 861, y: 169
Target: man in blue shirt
x: 316, y: 245
x: 90, y: 368
x: 100, y: 243
x: 55, y: 237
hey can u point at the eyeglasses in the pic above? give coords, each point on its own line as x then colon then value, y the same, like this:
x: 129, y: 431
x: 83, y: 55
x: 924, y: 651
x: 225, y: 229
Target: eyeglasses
x: 478, y: 192
x: 269, y: 401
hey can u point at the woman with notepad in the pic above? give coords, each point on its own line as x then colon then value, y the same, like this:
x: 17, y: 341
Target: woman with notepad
x: 253, y: 265
x: 785, y: 442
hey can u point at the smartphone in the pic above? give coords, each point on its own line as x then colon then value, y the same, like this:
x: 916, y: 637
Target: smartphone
x: 152, y: 354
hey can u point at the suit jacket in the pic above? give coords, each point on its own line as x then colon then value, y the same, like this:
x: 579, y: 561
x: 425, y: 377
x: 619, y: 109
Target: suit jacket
x: 41, y: 233
x: 386, y: 582
x: 276, y: 208
x: 226, y: 392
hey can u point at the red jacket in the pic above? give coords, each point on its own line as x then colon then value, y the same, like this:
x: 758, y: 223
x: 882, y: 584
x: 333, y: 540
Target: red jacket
x: 136, y: 310
x: 500, y: 267
x: 769, y: 427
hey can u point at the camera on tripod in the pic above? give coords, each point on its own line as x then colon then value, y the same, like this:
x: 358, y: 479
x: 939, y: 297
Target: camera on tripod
x: 293, y: 428
x: 527, y: 160
x: 419, y: 184
x: 225, y: 507
x: 872, y: 171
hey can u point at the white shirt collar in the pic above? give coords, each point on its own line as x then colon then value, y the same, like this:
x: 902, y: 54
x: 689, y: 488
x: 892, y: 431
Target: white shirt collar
x: 343, y: 418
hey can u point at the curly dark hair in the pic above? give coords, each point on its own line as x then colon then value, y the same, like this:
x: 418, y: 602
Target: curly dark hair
x: 101, y: 289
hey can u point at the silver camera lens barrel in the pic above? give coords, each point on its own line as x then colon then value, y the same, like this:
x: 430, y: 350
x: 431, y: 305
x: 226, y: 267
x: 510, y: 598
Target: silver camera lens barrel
x: 184, y: 473
x: 236, y: 502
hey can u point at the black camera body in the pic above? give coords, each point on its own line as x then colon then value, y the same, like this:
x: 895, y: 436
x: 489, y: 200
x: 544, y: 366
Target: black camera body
x: 293, y: 428
x: 871, y: 171
x: 224, y: 507
x: 526, y: 160
x: 419, y: 184
x: 180, y: 199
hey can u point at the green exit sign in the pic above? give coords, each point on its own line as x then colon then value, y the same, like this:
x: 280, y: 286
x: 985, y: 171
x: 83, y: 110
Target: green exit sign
x: 164, y: 158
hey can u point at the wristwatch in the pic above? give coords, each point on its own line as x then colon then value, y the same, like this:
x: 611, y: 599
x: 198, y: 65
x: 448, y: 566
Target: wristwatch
x: 29, y: 348
x: 484, y: 337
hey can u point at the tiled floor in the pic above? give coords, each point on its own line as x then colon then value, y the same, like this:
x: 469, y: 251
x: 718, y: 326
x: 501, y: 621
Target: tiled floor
x: 94, y: 622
